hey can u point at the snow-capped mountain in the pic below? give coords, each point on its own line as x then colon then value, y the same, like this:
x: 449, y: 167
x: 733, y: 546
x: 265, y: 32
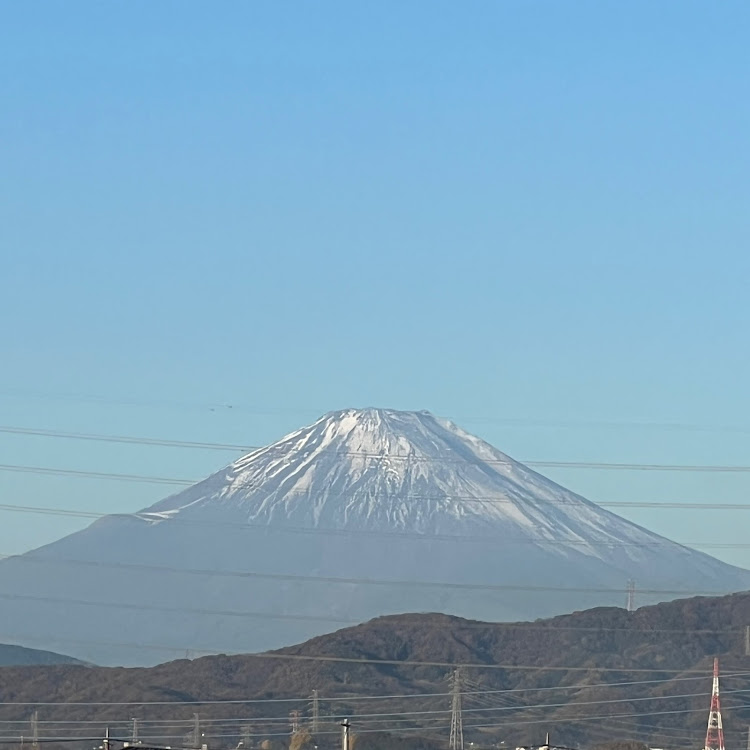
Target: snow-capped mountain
x: 390, y: 471
x: 363, y: 513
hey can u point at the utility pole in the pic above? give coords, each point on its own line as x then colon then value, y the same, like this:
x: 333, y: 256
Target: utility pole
x: 630, y: 600
x: 747, y: 640
x: 315, y: 723
x: 456, y: 741
x: 715, y: 730
x: 35, y: 730
x: 294, y: 721
x: 105, y: 744
x: 345, y: 734
x: 748, y: 738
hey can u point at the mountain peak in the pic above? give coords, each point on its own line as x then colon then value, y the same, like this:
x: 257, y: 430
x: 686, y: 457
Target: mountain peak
x: 371, y: 469
x: 364, y: 512
x: 375, y: 412
x: 410, y: 472
x: 376, y: 427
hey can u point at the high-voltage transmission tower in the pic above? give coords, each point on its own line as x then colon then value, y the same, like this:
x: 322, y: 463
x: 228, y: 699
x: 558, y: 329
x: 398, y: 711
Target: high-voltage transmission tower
x: 246, y: 737
x: 315, y: 713
x: 134, y: 732
x: 35, y: 730
x: 630, y: 599
x: 715, y: 731
x: 457, y: 725
x: 196, y: 738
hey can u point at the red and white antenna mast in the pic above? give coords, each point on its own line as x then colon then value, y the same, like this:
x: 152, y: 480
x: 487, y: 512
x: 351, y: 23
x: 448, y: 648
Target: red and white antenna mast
x: 715, y: 731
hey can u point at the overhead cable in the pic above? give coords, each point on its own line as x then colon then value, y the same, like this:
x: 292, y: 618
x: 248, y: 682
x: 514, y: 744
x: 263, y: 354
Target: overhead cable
x: 395, y: 583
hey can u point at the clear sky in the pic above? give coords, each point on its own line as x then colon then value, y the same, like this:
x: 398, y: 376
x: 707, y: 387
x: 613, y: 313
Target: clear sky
x: 531, y: 217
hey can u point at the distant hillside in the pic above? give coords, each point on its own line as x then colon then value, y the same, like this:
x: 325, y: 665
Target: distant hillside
x: 14, y: 656
x: 366, y: 512
x: 589, y: 678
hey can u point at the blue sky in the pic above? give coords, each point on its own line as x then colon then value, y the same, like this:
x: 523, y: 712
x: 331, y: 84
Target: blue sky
x: 531, y: 217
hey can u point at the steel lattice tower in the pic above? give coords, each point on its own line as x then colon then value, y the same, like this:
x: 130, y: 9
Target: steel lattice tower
x: 630, y: 598
x: 715, y: 731
x: 457, y: 724
x: 315, y: 724
x: 35, y: 730
x: 134, y: 732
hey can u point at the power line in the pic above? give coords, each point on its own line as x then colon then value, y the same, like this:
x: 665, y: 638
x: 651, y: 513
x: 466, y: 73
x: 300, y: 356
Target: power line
x: 146, y: 516
x: 665, y: 504
x: 316, y: 413
x: 701, y: 675
x: 387, y: 715
x: 515, y: 721
x: 475, y: 665
x: 47, y: 740
x: 209, y: 651
x: 128, y: 439
x: 674, y: 504
x: 570, y: 720
x: 52, y: 511
x: 602, y: 702
x: 598, y: 465
x: 181, y: 610
x: 479, y: 499
x: 94, y: 474
x: 48, y: 642
x: 408, y: 583
x: 233, y: 447
x: 635, y: 467
x: 384, y: 715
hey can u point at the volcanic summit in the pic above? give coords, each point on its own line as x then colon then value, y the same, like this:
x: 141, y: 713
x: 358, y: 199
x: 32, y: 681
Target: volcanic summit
x: 363, y: 513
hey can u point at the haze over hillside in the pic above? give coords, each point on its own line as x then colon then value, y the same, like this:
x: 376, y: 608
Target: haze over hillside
x: 647, y: 672
x: 11, y: 656
x: 364, y: 513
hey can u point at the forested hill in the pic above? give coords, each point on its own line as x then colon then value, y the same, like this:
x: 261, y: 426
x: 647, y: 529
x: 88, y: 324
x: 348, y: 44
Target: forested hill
x: 588, y: 677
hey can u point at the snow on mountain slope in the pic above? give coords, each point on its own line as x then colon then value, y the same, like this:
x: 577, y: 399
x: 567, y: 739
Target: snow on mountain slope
x: 385, y: 470
x: 365, y: 512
